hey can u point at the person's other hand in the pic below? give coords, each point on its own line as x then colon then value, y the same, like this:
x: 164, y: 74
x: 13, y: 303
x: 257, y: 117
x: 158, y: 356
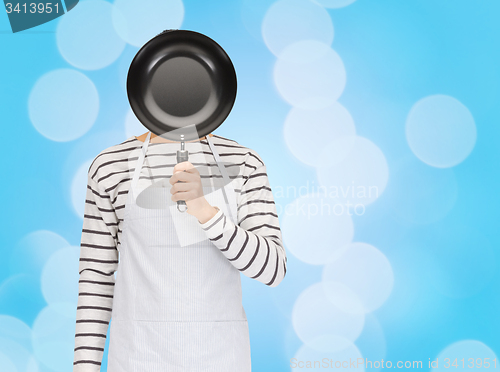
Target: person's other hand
x: 186, y: 185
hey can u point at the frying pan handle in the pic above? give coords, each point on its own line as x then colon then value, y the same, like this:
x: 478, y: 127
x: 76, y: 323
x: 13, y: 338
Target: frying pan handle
x: 182, y: 155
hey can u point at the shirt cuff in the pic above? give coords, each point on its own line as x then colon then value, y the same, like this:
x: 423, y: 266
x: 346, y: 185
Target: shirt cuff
x: 216, y: 225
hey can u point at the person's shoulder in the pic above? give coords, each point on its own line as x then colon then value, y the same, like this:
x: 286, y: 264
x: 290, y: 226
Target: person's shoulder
x: 225, y: 142
x: 111, y: 155
x: 230, y: 146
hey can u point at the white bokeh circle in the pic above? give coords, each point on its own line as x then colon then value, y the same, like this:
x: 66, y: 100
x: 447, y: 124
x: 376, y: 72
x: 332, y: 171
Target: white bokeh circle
x: 362, y: 174
x: 16, y: 330
x: 32, y: 365
x: 289, y: 21
x: 308, y: 133
x: 343, y: 297
x: 53, y: 336
x: 461, y: 351
x: 60, y: 276
x: 366, y: 271
x: 299, y: 276
x: 336, y: 150
x: 33, y: 250
x: 63, y: 105
x: 138, y: 22
x: 86, y: 37
x: 313, y: 231
x: 440, y: 131
x: 315, y: 316
x: 19, y: 356
x: 7, y: 363
x: 15, y: 342
x: 309, y: 74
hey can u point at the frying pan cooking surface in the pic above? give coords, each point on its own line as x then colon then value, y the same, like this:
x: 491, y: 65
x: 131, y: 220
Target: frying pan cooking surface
x: 181, y: 83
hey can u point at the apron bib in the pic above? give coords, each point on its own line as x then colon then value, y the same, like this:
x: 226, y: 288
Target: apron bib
x: 177, y: 303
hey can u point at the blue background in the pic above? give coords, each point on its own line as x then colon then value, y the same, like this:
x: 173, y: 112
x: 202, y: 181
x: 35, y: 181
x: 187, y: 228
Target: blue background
x: 395, y: 53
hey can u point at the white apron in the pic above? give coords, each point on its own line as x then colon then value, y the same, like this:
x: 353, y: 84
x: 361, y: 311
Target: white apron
x: 177, y: 306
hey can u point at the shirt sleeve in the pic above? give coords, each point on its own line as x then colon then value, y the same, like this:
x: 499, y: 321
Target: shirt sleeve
x: 254, y: 246
x: 98, y: 263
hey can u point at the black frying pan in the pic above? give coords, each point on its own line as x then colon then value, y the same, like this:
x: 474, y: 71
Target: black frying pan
x: 181, y: 85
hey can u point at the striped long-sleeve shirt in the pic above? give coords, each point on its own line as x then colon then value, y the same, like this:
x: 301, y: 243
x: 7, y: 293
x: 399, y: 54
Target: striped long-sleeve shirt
x: 253, y: 245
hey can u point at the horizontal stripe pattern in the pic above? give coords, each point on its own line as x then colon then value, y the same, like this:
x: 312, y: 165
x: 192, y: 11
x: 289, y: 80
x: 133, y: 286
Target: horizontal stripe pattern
x: 98, y: 262
x: 253, y: 245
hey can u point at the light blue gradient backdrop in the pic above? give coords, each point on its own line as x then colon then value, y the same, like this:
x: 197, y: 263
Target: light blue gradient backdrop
x: 395, y: 53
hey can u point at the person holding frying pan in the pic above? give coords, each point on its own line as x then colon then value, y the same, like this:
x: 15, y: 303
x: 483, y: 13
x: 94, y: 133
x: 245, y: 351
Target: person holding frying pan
x: 176, y: 302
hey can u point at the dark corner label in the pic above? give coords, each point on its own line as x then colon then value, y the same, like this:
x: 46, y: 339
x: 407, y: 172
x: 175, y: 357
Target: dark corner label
x: 28, y: 14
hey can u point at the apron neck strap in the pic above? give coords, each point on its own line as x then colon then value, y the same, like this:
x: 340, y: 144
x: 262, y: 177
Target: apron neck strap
x: 140, y: 162
x: 218, y: 161
x: 229, y: 201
